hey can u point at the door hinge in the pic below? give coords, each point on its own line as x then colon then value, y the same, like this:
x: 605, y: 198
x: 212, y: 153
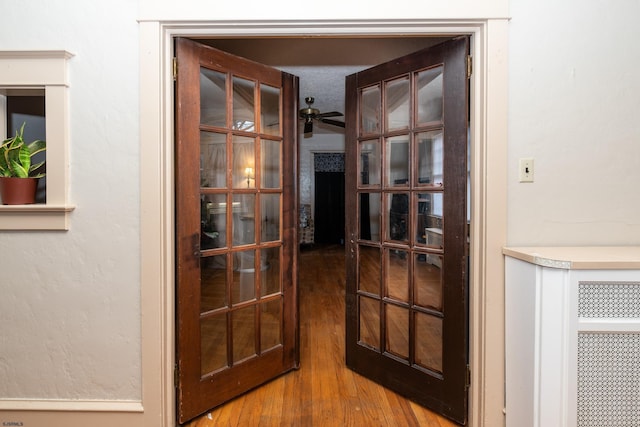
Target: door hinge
x: 175, y: 376
x: 469, y: 66
x: 174, y: 68
x: 468, y: 380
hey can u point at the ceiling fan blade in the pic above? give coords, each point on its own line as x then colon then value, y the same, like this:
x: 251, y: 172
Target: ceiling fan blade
x: 308, y: 126
x: 329, y: 114
x: 333, y: 122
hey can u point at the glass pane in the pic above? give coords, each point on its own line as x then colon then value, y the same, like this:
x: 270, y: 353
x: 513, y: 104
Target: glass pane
x: 397, y: 331
x: 427, y: 281
x: 244, y: 333
x: 270, y: 271
x: 270, y: 212
x: 430, y: 158
x: 270, y: 163
x: 429, y: 88
x: 370, y: 208
x: 213, y: 343
x: 428, y: 342
x: 213, y: 160
x: 369, y: 322
x: 243, y: 288
x: 270, y: 321
x: 430, y: 220
x: 213, y: 95
x: 244, y: 105
x: 397, y: 275
x: 370, y: 170
x: 397, y: 150
x: 398, y: 219
x: 369, y: 270
x: 244, y: 232
x: 270, y: 109
x: 244, y: 162
x: 370, y: 110
x: 213, y: 283
x: 213, y: 221
x: 397, y: 103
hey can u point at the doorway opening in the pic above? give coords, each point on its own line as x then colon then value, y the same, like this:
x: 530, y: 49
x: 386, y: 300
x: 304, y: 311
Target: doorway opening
x: 329, y: 211
x: 489, y: 122
x: 318, y: 188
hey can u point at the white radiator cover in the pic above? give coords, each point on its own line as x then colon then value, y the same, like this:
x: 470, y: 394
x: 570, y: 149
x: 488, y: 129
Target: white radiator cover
x: 572, y: 337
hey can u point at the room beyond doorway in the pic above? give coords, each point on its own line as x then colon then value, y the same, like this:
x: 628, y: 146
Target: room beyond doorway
x: 460, y: 82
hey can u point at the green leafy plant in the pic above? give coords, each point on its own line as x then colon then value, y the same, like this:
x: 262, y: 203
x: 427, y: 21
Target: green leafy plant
x: 16, y: 157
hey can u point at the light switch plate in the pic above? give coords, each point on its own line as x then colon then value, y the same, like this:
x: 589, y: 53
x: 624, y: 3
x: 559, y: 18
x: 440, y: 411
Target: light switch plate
x: 526, y: 170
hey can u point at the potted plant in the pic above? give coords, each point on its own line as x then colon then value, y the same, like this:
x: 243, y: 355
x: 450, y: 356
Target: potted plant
x: 18, y: 174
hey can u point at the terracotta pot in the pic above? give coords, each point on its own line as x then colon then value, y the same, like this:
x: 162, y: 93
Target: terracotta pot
x: 18, y: 191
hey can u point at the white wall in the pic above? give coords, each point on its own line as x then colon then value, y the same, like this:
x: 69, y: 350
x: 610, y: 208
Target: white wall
x: 71, y: 322
x: 71, y: 300
x: 574, y: 107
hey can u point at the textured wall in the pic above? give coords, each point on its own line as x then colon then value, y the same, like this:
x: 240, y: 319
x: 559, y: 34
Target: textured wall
x: 71, y: 300
x: 71, y: 320
x: 573, y: 107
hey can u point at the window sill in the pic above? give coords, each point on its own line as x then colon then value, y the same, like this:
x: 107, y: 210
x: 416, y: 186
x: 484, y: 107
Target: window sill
x: 41, y: 70
x: 35, y: 217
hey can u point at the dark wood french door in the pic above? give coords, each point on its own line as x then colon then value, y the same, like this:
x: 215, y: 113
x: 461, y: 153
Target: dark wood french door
x: 407, y: 230
x: 236, y: 238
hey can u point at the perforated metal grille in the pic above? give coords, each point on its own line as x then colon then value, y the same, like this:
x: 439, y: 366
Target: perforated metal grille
x: 609, y: 299
x: 608, y: 380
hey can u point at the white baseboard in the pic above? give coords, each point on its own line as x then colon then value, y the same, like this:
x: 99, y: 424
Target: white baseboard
x: 71, y: 405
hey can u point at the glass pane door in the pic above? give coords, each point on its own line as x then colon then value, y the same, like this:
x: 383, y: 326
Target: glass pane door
x: 406, y: 270
x: 235, y: 152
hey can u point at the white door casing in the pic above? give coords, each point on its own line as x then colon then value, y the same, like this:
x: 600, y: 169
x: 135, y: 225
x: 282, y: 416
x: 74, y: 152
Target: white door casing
x: 488, y: 117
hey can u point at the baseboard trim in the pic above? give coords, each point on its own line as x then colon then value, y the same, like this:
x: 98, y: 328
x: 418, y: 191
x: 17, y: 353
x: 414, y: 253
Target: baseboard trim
x: 71, y: 405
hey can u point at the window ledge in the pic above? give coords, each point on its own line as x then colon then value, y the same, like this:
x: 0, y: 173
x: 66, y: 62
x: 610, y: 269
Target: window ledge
x: 35, y: 217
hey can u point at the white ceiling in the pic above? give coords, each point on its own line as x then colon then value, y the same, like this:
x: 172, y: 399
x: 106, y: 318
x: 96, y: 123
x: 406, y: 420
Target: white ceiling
x: 322, y: 63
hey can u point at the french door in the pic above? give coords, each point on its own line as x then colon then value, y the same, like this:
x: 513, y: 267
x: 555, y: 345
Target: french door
x: 407, y: 230
x: 236, y: 238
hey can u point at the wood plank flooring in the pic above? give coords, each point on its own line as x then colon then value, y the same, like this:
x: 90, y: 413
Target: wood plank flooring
x: 323, y: 392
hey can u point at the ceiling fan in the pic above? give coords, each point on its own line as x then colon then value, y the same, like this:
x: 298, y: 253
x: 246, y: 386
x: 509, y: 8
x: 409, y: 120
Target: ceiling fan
x: 310, y: 114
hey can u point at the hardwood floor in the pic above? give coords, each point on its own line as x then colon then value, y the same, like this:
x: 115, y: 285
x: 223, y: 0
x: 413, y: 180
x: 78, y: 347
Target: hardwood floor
x: 323, y: 392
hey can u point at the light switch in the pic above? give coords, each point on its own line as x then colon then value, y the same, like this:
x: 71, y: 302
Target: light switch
x: 526, y: 170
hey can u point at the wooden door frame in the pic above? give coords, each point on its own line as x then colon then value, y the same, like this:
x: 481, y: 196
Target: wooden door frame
x: 488, y: 97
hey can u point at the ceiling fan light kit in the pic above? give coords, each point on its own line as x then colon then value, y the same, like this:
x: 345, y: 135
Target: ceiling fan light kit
x: 309, y: 114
